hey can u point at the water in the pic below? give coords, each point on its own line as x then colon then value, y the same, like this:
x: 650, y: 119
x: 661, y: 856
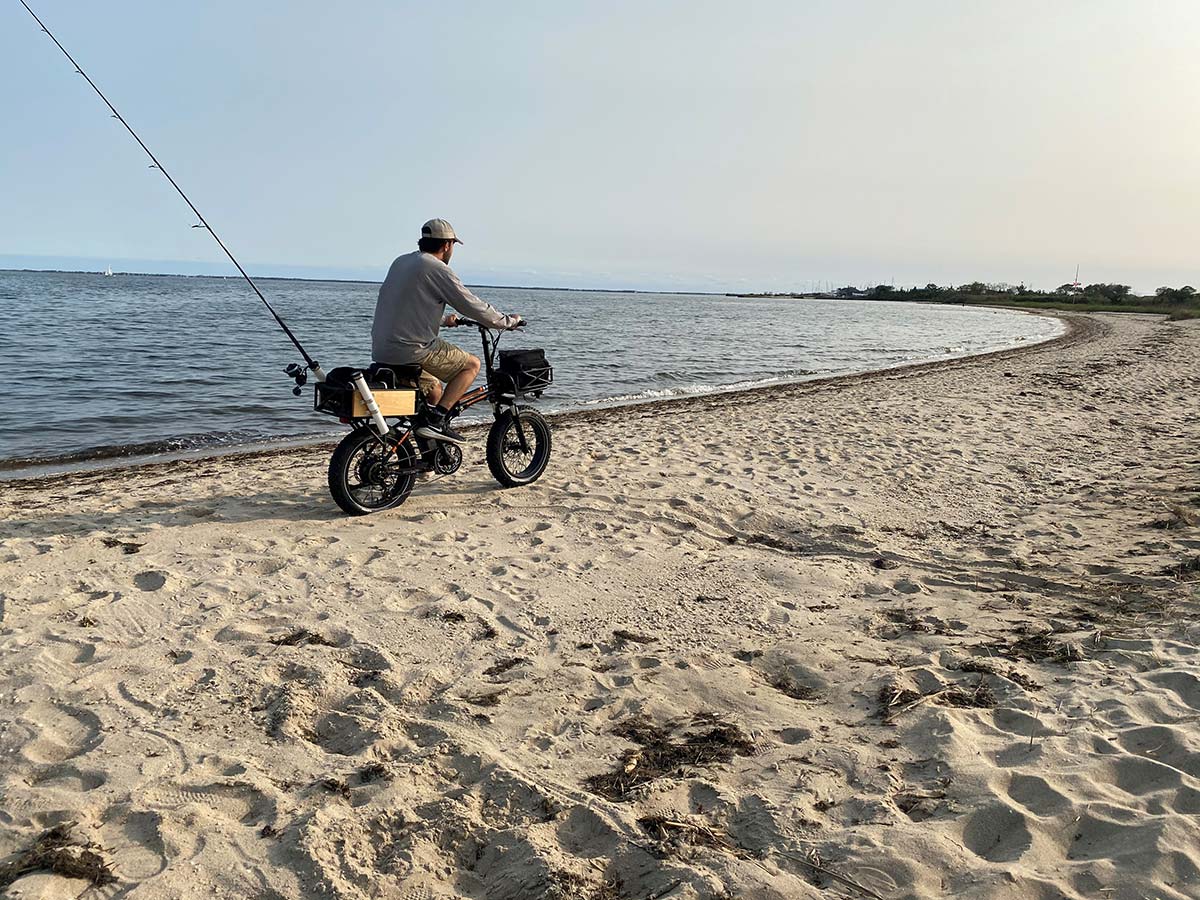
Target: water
x: 133, y: 366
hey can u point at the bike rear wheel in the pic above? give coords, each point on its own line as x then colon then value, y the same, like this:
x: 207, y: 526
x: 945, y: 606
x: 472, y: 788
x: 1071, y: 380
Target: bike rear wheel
x: 366, y: 477
x: 514, y: 461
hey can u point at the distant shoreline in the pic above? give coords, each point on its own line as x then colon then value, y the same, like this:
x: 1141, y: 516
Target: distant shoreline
x: 505, y: 287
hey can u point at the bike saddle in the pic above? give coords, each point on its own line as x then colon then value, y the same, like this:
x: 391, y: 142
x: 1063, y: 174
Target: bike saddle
x: 409, y: 374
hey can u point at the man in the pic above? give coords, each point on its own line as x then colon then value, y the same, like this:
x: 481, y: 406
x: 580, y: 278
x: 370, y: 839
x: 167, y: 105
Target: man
x: 411, y: 306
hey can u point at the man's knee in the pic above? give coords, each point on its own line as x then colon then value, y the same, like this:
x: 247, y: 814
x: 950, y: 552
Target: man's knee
x: 473, y: 365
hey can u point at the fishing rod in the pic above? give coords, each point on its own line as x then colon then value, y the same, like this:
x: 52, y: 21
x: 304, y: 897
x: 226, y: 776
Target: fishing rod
x: 294, y: 371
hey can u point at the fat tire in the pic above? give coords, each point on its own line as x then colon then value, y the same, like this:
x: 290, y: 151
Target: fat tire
x: 537, y: 430
x: 339, y: 474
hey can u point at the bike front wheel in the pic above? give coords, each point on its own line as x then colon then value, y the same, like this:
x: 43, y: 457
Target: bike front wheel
x: 366, y: 477
x: 518, y: 449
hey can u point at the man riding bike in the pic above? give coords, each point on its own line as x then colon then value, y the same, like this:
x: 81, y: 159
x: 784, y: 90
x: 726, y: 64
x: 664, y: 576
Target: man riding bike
x: 411, y: 308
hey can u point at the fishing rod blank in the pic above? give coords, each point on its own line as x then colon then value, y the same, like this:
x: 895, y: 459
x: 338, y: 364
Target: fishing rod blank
x: 312, y: 363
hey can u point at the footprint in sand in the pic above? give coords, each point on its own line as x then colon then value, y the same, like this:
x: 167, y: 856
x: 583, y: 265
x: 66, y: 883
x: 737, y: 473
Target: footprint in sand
x: 66, y: 777
x: 1185, y: 685
x: 150, y: 581
x: 1035, y: 794
x: 239, y: 802
x: 59, y: 733
x: 997, y: 833
x: 1101, y: 838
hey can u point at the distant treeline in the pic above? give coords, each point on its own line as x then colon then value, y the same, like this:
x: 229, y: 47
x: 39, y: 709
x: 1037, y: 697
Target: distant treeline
x: 1179, y: 303
x: 1115, y: 294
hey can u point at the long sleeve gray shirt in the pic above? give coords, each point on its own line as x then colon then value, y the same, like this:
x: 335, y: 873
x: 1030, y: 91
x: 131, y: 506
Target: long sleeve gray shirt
x: 412, y: 303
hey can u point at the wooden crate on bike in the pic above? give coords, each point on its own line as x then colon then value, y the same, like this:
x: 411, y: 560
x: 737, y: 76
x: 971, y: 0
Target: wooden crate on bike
x: 391, y: 403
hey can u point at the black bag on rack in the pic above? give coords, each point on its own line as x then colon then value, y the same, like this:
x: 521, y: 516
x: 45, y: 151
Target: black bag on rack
x: 528, y: 369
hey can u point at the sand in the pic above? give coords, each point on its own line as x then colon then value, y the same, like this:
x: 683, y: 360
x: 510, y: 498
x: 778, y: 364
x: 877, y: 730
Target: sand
x: 914, y: 634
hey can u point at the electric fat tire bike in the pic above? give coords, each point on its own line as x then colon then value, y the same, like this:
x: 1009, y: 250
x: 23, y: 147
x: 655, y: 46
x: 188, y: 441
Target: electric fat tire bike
x: 376, y: 465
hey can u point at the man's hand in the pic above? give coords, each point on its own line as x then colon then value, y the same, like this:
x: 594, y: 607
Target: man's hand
x: 450, y: 321
x: 520, y: 323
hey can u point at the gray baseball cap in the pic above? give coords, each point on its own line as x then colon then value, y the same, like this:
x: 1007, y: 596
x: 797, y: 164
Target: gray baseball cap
x: 440, y: 229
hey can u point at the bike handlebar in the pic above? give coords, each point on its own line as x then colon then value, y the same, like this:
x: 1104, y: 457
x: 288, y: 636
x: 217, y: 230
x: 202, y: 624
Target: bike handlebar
x: 464, y: 322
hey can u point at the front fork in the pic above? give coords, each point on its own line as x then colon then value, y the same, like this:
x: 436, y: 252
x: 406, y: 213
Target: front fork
x: 499, y: 409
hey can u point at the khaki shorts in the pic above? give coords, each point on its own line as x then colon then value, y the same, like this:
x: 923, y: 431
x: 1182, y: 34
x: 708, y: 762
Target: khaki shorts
x: 443, y: 362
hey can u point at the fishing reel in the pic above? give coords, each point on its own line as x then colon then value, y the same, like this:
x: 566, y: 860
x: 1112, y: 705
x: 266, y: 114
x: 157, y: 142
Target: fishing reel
x: 298, y: 373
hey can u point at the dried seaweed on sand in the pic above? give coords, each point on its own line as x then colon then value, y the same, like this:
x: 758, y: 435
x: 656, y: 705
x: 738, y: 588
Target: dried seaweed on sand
x: 58, y: 852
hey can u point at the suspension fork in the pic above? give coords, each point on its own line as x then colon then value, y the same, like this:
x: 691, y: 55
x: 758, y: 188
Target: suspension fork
x: 521, y: 440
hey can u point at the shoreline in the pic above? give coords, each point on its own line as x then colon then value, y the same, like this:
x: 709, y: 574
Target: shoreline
x: 116, y: 465
x: 919, y: 632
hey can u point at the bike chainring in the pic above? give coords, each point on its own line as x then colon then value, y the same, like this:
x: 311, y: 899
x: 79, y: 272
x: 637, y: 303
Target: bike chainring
x: 447, y: 458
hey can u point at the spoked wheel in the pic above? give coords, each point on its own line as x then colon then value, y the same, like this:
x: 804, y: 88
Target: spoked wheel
x: 365, y: 477
x: 517, y: 452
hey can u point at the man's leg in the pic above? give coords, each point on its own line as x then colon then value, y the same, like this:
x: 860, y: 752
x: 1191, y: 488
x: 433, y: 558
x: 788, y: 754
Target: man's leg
x: 431, y: 387
x: 458, y: 368
x: 459, y: 384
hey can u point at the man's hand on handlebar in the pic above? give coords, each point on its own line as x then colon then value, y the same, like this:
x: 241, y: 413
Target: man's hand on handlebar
x: 453, y: 321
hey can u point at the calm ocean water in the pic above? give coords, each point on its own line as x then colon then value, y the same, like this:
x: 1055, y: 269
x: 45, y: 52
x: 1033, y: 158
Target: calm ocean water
x: 98, y: 367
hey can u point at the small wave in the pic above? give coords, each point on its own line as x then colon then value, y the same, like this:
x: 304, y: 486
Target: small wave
x: 694, y: 390
x: 209, y: 440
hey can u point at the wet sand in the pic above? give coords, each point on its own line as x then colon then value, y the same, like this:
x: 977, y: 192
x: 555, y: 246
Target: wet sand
x: 911, y: 634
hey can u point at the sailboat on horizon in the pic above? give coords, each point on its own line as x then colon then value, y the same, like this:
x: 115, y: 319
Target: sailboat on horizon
x: 108, y: 271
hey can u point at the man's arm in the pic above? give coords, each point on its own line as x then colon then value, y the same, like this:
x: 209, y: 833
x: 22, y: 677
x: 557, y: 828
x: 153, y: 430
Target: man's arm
x: 455, y: 293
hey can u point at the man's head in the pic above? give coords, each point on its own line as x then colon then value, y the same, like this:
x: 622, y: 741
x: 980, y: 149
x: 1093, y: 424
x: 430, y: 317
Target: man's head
x: 438, y: 238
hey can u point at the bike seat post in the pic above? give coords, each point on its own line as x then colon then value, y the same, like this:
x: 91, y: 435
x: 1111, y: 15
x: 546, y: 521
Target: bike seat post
x: 360, y: 385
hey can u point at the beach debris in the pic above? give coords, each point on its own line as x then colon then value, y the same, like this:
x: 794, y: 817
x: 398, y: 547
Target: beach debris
x: 1185, y: 570
x: 896, y: 698
x: 812, y: 860
x: 658, y: 754
x: 1178, y: 517
x: 624, y: 636
x: 335, y: 786
x: 673, y: 834
x: 772, y: 542
x: 894, y: 695
x: 908, y: 620
x: 368, y: 774
x: 884, y: 563
x: 487, y: 631
x: 499, y: 668
x: 981, y: 696
x: 453, y: 615
x: 300, y: 637
x: 86, y: 622
x: 789, y: 685
x: 484, y: 698
x: 569, y: 886
x: 919, y: 805
x: 58, y: 851
x: 127, y: 547
x: 983, y: 667
x: 1036, y: 646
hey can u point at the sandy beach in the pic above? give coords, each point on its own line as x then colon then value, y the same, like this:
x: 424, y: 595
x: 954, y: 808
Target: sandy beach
x: 914, y: 634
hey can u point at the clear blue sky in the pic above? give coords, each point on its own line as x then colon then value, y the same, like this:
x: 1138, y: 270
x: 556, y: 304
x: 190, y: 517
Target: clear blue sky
x: 688, y: 144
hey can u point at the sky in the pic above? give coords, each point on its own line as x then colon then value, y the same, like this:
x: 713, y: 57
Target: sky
x: 691, y: 145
